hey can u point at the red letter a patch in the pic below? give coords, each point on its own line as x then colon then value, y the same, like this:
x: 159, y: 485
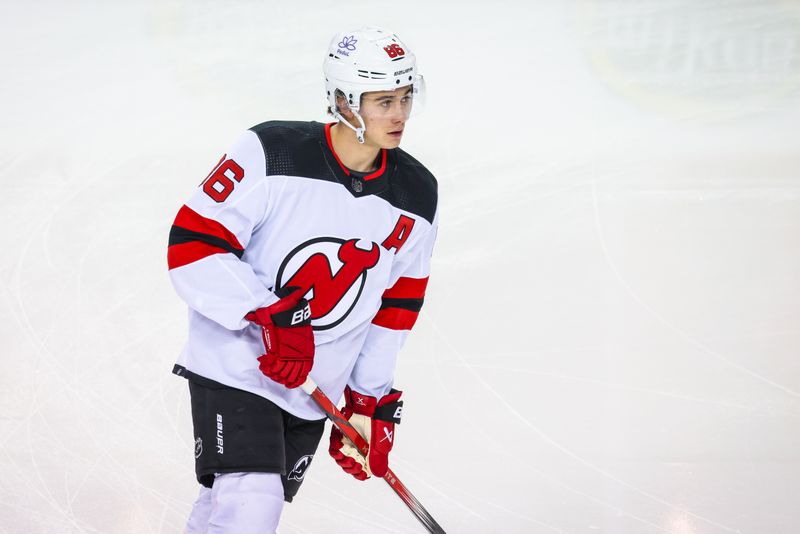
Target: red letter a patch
x: 399, y: 235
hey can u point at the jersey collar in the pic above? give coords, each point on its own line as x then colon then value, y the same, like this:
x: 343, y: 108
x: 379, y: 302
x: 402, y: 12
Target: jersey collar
x: 358, y: 183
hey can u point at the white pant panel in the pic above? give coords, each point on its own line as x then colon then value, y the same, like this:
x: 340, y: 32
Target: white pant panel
x: 198, y: 519
x: 245, y: 503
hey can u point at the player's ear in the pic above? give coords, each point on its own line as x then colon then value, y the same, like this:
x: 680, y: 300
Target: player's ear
x: 343, y: 107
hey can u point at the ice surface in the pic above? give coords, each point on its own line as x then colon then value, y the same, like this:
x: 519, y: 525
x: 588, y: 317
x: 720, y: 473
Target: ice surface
x: 610, y: 341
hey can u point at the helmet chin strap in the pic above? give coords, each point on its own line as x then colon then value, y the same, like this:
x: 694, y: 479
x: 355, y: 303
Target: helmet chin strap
x: 359, y: 131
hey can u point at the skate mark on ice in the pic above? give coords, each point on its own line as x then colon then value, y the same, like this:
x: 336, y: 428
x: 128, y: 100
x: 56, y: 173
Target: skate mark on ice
x: 502, y: 450
x: 687, y: 337
x: 573, y: 455
x: 623, y: 387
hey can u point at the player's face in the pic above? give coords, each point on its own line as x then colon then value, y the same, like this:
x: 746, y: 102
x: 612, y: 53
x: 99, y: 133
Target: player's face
x: 385, y: 114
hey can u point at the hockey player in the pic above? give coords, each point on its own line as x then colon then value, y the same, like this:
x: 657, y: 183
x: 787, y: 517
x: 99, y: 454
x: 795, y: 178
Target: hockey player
x: 306, y: 250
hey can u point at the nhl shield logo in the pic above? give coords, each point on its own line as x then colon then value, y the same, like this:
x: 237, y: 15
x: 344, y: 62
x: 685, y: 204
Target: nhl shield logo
x: 300, y: 468
x: 358, y: 186
x: 198, y: 447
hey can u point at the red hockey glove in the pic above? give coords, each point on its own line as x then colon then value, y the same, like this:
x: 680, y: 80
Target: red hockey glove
x: 374, y: 419
x: 288, y: 338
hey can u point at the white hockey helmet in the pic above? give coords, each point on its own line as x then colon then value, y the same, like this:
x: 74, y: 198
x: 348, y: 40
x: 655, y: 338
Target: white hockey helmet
x: 368, y: 59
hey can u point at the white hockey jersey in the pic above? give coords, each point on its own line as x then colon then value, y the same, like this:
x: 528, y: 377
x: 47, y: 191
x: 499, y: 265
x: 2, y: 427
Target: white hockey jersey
x: 280, y: 209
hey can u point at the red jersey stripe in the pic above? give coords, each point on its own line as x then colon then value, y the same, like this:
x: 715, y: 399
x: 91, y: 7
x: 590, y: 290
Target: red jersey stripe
x: 191, y: 220
x: 185, y: 253
x: 407, y: 288
x: 395, y: 318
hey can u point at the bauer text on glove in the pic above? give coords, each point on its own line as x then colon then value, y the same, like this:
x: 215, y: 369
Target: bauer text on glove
x: 288, y: 338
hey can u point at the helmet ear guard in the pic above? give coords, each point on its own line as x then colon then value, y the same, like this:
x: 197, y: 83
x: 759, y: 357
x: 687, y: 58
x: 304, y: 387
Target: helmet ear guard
x: 335, y: 109
x: 366, y: 60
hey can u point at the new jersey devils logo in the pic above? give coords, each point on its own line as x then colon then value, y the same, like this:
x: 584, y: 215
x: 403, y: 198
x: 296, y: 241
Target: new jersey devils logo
x: 300, y: 467
x: 331, y: 273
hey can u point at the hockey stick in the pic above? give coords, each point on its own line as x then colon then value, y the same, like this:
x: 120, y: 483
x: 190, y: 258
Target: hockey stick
x: 361, y: 444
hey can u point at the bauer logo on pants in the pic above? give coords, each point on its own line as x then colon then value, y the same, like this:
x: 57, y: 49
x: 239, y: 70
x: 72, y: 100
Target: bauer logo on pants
x: 300, y: 468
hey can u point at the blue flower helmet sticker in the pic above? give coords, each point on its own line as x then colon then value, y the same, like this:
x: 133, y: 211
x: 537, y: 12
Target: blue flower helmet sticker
x: 349, y: 42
